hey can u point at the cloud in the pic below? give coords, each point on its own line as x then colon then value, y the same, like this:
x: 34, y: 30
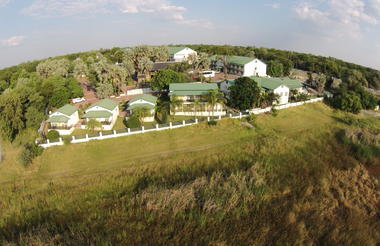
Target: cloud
x: 161, y: 8
x: 4, y: 2
x: 339, y: 17
x: 12, y: 41
x: 273, y: 5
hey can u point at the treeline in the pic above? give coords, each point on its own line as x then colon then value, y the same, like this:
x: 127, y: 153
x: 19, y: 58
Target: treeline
x: 280, y: 62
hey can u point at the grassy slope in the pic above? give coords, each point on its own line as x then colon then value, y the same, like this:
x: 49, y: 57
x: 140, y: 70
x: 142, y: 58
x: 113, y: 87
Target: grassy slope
x: 246, y: 183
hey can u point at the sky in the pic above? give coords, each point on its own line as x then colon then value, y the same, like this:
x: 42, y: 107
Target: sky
x: 345, y: 29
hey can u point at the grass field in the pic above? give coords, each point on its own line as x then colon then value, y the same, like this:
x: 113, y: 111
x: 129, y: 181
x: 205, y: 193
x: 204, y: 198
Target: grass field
x: 96, y: 156
x: 199, y: 185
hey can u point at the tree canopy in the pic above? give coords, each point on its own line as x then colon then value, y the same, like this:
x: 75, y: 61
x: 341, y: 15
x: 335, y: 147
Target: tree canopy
x: 245, y: 94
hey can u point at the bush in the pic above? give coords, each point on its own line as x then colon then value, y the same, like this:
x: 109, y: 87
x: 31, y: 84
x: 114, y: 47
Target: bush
x: 212, y: 123
x: 66, y: 139
x: 29, y: 152
x: 133, y: 122
x: 52, y: 135
x: 274, y: 112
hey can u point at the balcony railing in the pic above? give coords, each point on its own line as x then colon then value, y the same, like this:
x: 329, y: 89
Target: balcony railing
x: 60, y: 127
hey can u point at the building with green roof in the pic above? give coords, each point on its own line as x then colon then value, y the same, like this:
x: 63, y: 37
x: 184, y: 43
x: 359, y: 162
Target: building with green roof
x: 193, y: 99
x: 104, y: 111
x: 63, y: 120
x: 179, y: 54
x: 239, y: 65
x: 279, y: 86
x: 145, y: 101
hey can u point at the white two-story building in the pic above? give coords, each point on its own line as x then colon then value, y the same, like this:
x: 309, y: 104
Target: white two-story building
x: 180, y: 54
x: 240, y: 65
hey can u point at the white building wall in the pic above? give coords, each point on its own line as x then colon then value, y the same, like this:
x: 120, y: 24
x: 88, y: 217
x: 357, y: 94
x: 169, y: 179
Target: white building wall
x: 183, y: 55
x: 255, y: 68
x: 283, y: 92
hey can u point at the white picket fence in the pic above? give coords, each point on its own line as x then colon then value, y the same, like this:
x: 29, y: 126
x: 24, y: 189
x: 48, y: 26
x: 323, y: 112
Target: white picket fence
x: 128, y: 132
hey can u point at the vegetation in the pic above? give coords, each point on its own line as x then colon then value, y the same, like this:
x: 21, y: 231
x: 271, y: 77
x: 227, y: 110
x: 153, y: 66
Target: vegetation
x: 163, y: 78
x: 281, y: 62
x: 244, y: 94
x: 52, y: 135
x: 93, y: 125
x: 353, y: 98
x: 265, y: 190
x: 133, y: 122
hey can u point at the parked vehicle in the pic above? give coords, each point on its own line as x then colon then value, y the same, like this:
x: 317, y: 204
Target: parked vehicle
x: 78, y: 100
x: 208, y: 74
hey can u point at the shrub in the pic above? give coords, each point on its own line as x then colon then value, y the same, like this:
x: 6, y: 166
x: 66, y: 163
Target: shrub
x: 212, y: 123
x: 66, y: 139
x: 53, y: 134
x: 29, y: 152
x: 133, y: 122
x: 274, y: 112
x: 251, y: 119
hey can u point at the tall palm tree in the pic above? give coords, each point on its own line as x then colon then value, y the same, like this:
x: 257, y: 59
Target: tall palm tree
x: 214, y: 97
x: 175, y: 102
x: 196, y: 106
x: 141, y: 113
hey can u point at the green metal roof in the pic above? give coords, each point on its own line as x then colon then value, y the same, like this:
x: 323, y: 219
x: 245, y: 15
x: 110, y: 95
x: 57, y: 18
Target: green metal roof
x: 145, y: 97
x: 236, y: 60
x: 192, y: 86
x: 188, y: 93
x: 175, y: 49
x: 273, y: 83
x: 97, y: 114
x: 140, y: 105
x: 105, y: 103
x: 58, y: 119
x: 67, y: 110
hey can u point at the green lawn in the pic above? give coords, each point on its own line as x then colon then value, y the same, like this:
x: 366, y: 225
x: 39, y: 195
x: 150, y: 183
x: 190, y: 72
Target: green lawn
x: 96, y: 156
x: 198, y: 185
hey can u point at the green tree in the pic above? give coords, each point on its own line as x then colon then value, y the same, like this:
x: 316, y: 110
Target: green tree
x: 93, y: 125
x: 275, y: 69
x: 141, y: 113
x: 52, y: 67
x: 104, y: 90
x: 163, y: 78
x: 215, y: 97
x: 349, y: 102
x: 245, y: 94
x: 175, y: 102
x: 11, y: 111
x: 80, y: 68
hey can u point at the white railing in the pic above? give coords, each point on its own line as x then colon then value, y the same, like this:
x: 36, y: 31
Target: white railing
x: 139, y: 91
x: 157, y: 127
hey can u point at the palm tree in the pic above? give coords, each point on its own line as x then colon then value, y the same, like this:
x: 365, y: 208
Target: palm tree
x: 224, y: 60
x: 141, y: 113
x: 174, y: 103
x: 196, y: 105
x: 214, y: 97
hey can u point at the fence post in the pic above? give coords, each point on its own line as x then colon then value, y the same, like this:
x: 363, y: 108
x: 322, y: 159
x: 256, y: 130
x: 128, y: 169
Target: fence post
x: 60, y: 140
x: 240, y: 115
x: 170, y: 125
x: 208, y: 118
x: 196, y: 120
x: 48, y: 141
x: 157, y: 127
x: 114, y: 132
x: 183, y: 122
x: 220, y: 117
x: 86, y: 136
x: 129, y: 130
x: 142, y: 128
x: 73, y: 138
x: 100, y: 134
x: 230, y: 115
